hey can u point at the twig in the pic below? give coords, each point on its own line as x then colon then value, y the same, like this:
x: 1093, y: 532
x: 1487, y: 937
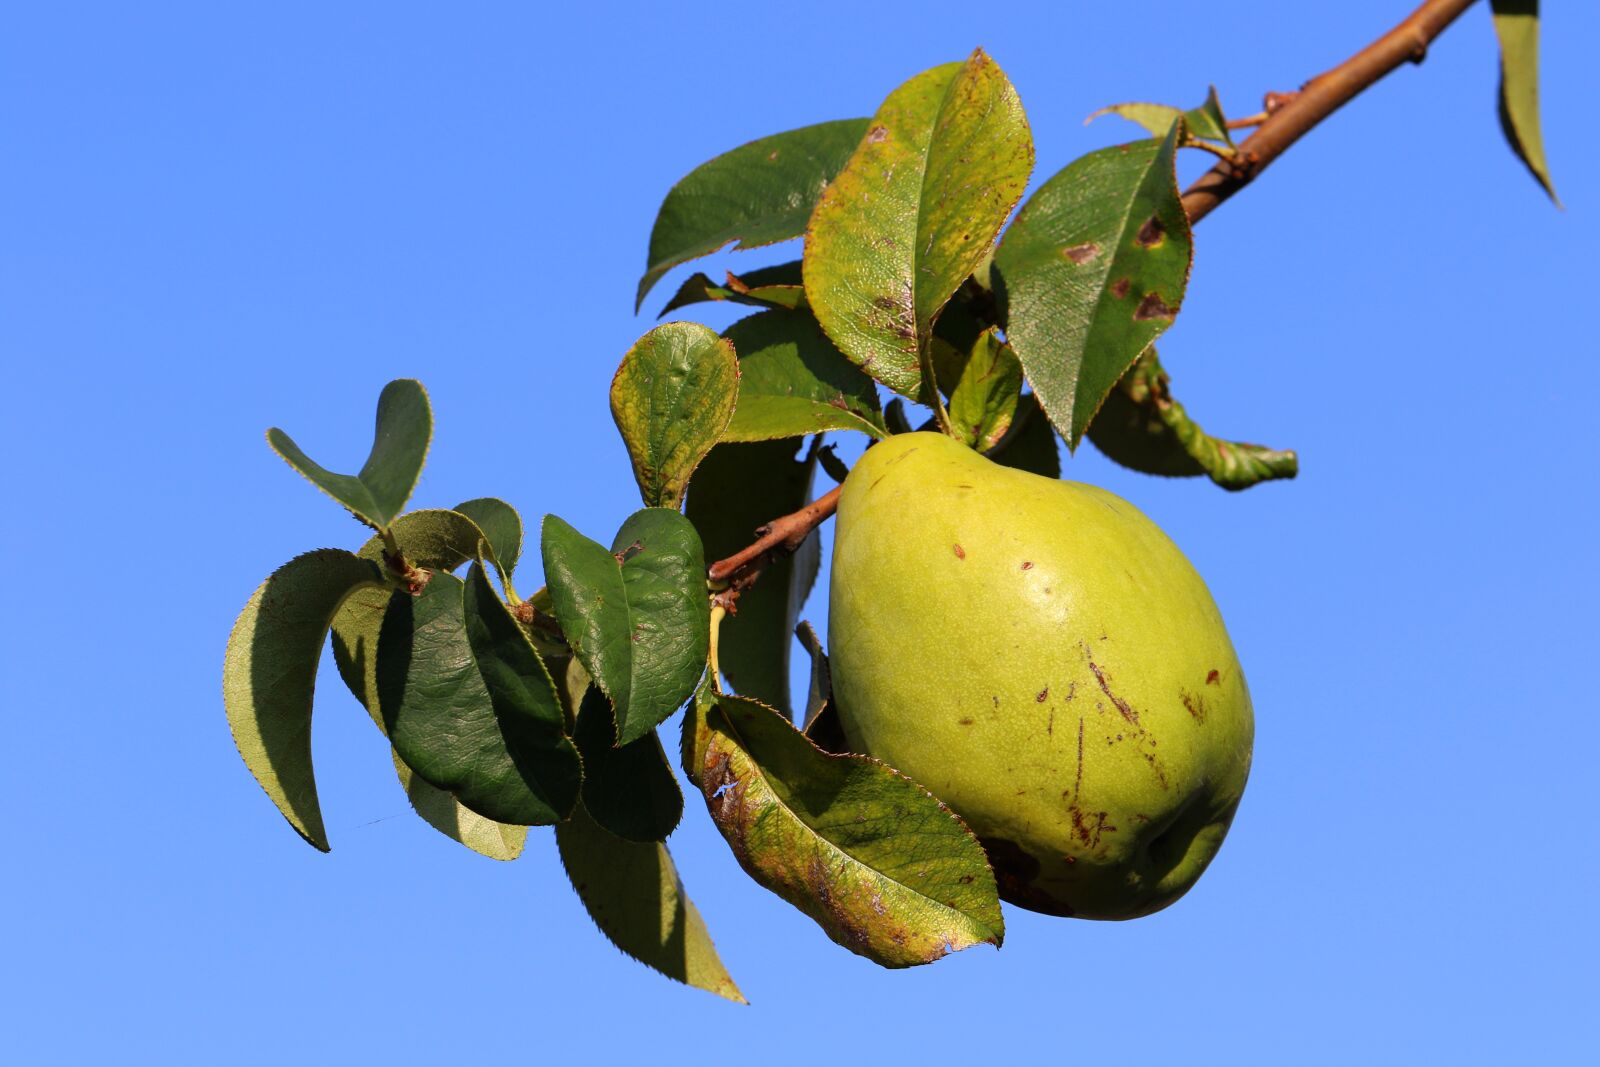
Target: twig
x: 1293, y: 117
x: 1287, y: 118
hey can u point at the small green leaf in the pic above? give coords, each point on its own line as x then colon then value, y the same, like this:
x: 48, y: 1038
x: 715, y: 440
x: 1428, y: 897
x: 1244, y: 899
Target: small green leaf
x: 793, y: 381
x: 633, y: 894
x: 822, y: 725
x: 399, y: 448
x: 986, y: 396
x: 758, y: 194
x: 628, y: 789
x: 883, y: 867
x: 637, y: 616
x: 1142, y: 427
x: 502, y: 530
x: 671, y: 399
x: 913, y: 213
x: 1030, y: 444
x: 1516, y: 23
x: 445, y: 813
x: 768, y: 287
x: 1206, y: 121
x: 470, y: 707
x: 737, y: 488
x: 270, y: 671
x: 1092, y: 271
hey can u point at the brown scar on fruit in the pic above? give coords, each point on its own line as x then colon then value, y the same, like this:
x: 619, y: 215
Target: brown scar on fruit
x: 1194, y: 705
x: 961, y: 553
x: 963, y: 722
x: 1121, y: 287
x: 1027, y: 565
x: 1043, y: 694
x: 1153, y: 307
x: 1151, y: 233
x: 1081, y: 254
x: 1214, y: 678
x: 1105, y: 687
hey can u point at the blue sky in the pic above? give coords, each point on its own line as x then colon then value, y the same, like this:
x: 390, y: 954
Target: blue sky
x: 219, y: 218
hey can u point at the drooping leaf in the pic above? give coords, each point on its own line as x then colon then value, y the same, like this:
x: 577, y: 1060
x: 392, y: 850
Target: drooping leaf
x: 270, y: 671
x: 1516, y: 23
x: 738, y: 488
x: 469, y: 709
x: 915, y: 210
x: 758, y: 194
x: 637, y: 616
x: 792, y: 381
x: 399, y: 447
x: 671, y: 399
x: 502, y: 531
x: 1030, y: 443
x: 1142, y: 427
x: 877, y: 861
x: 986, y: 396
x: 822, y: 725
x: 1206, y: 121
x: 445, y: 813
x: 1092, y: 271
x: 633, y: 894
x: 628, y: 789
x: 770, y: 287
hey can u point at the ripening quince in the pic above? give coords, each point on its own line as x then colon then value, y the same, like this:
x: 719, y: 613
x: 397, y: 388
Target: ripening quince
x: 1041, y: 657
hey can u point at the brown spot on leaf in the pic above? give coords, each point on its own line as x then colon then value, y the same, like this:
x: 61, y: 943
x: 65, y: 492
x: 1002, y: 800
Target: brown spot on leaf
x: 1150, y: 233
x: 1120, y: 287
x: 1153, y: 307
x: 1081, y: 254
x: 877, y: 135
x: 772, y: 156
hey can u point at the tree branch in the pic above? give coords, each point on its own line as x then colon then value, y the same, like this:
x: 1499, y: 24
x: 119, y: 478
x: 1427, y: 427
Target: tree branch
x: 1320, y: 97
x: 1287, y: 118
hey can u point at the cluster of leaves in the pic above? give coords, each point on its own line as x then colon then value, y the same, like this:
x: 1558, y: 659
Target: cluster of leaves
x: 504, y: 712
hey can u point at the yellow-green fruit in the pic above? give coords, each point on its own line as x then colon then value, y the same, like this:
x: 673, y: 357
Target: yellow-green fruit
x: 1040, y: 656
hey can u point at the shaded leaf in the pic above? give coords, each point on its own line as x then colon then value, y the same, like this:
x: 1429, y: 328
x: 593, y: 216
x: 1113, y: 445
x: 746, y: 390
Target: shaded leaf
x: 399, y: 447
x: 270, y: 671
x: 1030, y: 444
x: 758, y: 194
x: 738, y: 488
x: 638, y: 616
x: 1516, y: 23
x: 915, y: 210
x: 633, y: 894
x: 496, y: 840
x: 671, y: 399
x: 1092, y: 271
x: 882, y: 866
x: 792, y: 381
x: 469, y: 708
x: 502, y: 532
x: 1144, y: 428
x: 822, y: 725
x: 985, y: 397
x: 627, y: 789
x: 432, y: 538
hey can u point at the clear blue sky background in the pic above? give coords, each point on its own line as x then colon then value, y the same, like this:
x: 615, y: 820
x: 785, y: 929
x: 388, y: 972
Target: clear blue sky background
x: 220, y: 217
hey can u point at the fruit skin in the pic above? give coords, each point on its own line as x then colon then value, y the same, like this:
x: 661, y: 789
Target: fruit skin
x: 1040, y: 656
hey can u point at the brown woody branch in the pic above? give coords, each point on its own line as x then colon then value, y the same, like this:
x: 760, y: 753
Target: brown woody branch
x: 1286, y: 118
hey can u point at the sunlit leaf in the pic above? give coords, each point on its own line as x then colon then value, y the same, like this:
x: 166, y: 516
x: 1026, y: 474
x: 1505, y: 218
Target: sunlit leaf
x: 792, y: 381
x: 633, y: 894
x: 399, y: 447
x: 770, y: 287
x: 637, y: 616
x: 628, y: 789
x: 671, y: 399
x: 270, y: 671
x: 758, y: 194
x: 882, y: 866
x: 915, y: 210
x: 496, y: 840
x: 1516, y: 23
x: 1206, y: 121
x: 502, y: 531
x: 1092, y: 271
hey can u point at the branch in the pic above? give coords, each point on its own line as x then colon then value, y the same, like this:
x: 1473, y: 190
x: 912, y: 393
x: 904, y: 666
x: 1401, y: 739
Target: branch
x: 1295, y: 115
x: 1287, y: 118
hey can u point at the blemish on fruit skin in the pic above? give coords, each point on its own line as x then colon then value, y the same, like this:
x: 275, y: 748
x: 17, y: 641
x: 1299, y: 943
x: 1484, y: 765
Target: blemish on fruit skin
x: 1195, y: 705
x: 1214, y: 678
x: 963, y: 722
x: 1043, y: 695
x: 1105, y: 687
x: 961, y: 553
x: 1027, y: 564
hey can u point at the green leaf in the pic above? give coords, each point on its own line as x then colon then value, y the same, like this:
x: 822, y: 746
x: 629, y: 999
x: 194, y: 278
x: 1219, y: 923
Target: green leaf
x: 792, y: 381
x: 1030, y: 444
x: 496, y: 840
x: 433, y: 538
x: 470, y: 707
x: 883, y: 867
x: 628, y: 789
x: 671, y: 399
x: 633, y: 894
x: 502, y: 531
x: 986, y: 396
x: 1516, y: 23
x: 399, y: 448
x: 1142, y: 427
x: 738, y: 488
x: 1092, y: 271
x: 1206, y: 121
x: 638, y: 616
x: 822, y: 725
x: 912, y: 214
x: 270, y: 671
x: 758, y: 194
x: 770, y: 287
